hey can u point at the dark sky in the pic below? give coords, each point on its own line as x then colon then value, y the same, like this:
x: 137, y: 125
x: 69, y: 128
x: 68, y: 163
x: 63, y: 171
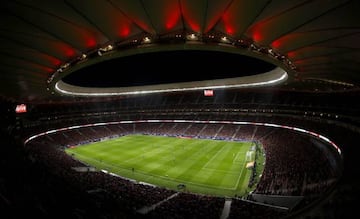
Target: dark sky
x: 167, y: 67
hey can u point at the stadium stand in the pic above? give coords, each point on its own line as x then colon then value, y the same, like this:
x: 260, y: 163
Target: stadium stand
x: 300, y: 170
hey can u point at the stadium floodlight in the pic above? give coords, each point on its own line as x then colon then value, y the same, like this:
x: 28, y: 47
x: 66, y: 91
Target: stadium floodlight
x: 105, y: 49
x: 147, y: 40
x: 63, y: 67
x: 192, y: 37
x: 83, y: 56
x: 224, y: 39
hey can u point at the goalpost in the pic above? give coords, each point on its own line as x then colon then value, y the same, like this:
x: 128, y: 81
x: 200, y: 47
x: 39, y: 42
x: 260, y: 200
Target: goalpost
x: 249, y: 156
x: 250, y: 159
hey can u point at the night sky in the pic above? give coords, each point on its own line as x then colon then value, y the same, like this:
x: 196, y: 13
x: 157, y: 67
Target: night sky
x: 167, y: 67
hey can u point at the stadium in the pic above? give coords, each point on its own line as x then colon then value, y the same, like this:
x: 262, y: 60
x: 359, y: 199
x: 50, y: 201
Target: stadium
x: 179, y: 109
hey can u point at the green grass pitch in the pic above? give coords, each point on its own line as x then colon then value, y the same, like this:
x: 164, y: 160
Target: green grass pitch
x: 204, y: 166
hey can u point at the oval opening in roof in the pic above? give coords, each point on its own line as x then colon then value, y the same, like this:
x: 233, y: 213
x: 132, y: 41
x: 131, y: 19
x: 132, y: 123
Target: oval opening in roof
x: 158, y: 70
x: 167, y: 67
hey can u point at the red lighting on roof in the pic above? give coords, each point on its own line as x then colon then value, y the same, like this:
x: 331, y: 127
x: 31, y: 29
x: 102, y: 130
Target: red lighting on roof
x: 257, y: 31
x: 191, y: 20
x: 172, y: 21
x: 228, y: 20
x: 229, y: 30
x: 90, y: 42
x: 55, y: 61
x: 143, y: 26
x: 283, y: 41
x: 291, y: 55
x: 64, y: 49
x: 194, y: 26
x: 172, y: 16
x: 69, y: 52
x: 47, y: 69
x: 124, y: 31
x: 257, y: 36
x: 276, y: 44
x: 51, y: 60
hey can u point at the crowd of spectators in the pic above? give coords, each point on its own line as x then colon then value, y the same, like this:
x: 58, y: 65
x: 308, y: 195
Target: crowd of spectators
x: 301, y: 168
x: 296, y: 164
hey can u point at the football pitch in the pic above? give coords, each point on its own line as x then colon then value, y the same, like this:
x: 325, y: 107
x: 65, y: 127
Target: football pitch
x: 204, y: 166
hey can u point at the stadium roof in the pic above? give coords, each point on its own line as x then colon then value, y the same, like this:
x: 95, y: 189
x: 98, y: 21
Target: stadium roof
x: 316, y: 42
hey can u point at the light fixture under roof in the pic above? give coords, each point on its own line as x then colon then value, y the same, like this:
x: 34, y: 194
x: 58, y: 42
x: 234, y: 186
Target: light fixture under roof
x: 225, y: 44
x: 105, y: 49
x: 192, y: 37
x: 147, y: 40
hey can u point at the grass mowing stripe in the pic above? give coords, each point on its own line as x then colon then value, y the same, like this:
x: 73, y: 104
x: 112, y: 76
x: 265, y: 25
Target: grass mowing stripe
x: 234, y: 168
x: 214, y: 157
x: 194, y: 160
x: 204, y: 165
x: 219, y: 163
x: 173, y: 160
